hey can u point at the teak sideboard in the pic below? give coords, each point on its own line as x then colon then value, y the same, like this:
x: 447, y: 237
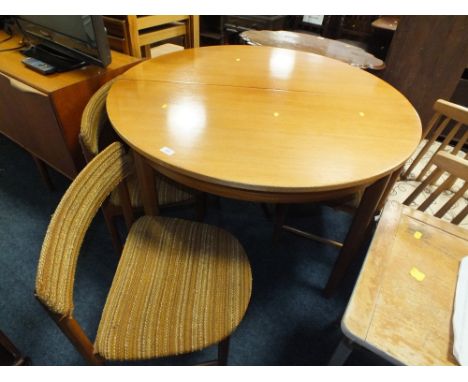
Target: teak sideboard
x: 42, y: 113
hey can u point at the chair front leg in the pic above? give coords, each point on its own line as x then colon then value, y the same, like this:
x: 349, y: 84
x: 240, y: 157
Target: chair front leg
x: 223, y: 352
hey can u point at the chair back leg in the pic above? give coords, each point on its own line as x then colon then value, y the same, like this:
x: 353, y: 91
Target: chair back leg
x: 112, y: 228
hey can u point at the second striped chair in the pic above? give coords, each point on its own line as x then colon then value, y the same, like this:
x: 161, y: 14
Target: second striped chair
x: 95, y: 134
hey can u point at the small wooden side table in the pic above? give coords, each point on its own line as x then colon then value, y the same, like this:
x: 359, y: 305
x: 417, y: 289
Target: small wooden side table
x: 402, y: 304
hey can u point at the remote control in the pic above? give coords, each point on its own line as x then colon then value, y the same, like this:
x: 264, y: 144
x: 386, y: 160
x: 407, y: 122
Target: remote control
x: 39, y: 66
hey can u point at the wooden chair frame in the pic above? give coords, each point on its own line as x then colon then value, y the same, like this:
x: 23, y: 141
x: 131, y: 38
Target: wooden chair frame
x: 17, y: 359
x: 458, y: 169
x: 446, y: 113
x: 147, y: 30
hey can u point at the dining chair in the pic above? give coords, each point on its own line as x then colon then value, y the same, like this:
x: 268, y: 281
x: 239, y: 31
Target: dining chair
x: 96, y: 133
x: 179, y: 287
x: 148, y: 30
x: 403, y: 302
x: 446, y: 131
x: 138, y: 35
x: 437, y: 198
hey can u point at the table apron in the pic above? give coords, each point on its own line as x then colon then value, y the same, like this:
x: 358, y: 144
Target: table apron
x: 252, y: 195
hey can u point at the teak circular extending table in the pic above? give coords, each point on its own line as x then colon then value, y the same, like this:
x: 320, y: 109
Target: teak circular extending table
x: 265, y: 124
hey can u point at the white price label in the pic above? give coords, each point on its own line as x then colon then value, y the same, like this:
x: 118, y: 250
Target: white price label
x: 167, y: 150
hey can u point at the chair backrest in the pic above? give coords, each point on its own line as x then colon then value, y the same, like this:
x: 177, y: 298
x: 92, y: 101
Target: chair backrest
x: 117, y: 33
x: 458, y: 169
x: 94, y: 122
x: 147, y: 30
x: 359, y: 27
x: 64, y: 237
x: 448, y: 120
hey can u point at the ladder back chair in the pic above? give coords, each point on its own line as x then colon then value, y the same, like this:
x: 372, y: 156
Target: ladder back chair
x: 180, y: 286
x: 96, y: 133
x: 146, y: 31
x: 147, y: 36
x: 447, y: 132
x: 437, y: 198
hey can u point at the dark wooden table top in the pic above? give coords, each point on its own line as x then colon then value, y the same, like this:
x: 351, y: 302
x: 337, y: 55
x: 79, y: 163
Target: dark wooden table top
x: 338, y: 50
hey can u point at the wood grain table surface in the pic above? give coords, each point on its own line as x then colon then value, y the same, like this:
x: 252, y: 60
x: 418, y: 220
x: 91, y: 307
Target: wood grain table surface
x: 263, y: 124
x: 402, y: 305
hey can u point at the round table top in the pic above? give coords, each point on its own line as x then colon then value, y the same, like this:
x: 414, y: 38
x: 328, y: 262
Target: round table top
x: 338, y: 50
x: 263, y: 119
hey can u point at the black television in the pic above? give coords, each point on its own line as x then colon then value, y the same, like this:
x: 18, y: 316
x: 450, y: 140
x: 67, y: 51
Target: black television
x: 66, y: 42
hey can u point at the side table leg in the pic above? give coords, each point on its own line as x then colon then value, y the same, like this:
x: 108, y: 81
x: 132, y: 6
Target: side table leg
x: 145, y: 176
x: 341, y: 353
x: 356, y: 234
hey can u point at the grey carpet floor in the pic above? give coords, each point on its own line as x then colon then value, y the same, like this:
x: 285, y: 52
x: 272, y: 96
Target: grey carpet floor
x: 288, y: 321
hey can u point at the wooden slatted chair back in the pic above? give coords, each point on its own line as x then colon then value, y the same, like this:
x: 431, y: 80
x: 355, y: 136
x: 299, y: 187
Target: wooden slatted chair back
x: 458, y: 169
x: 450, y: 121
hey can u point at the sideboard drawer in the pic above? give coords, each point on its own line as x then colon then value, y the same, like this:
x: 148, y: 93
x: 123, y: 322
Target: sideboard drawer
x: 27, y: 117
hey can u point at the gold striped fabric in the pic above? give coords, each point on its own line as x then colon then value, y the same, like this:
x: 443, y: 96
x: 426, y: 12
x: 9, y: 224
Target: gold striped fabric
x: 167, y: 192
x: 61, y: 247
x: 180, y: 286
x: 94, y: 120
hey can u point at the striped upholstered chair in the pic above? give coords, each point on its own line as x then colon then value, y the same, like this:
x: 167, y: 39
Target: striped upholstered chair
x: 96, y: 133
x: 180, y: 286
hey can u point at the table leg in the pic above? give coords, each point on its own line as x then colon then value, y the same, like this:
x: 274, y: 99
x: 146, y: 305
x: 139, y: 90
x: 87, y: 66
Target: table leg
x: 279, y: 219
x: 357, y: 231
x: 388, y: 189
x: 145, y: 176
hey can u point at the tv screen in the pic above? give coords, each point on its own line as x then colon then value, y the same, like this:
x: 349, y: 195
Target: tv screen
x: 82, y: 38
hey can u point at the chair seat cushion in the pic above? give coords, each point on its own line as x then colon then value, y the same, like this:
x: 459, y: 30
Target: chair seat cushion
x: 179, y: 287
x: 425, y: 160
x: 168, y: 192
x: 402, y: 189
